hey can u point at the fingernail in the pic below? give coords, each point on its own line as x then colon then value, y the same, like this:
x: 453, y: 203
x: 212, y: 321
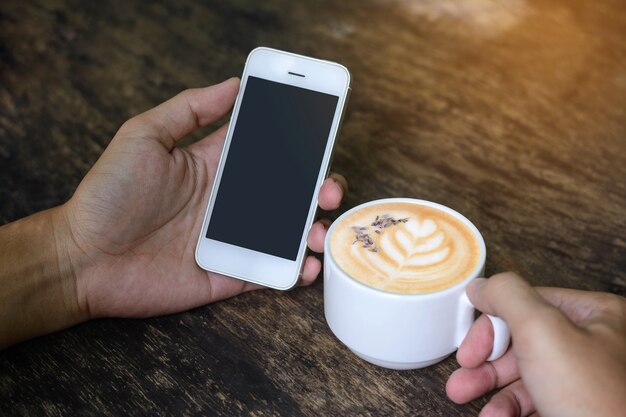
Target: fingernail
x: 338, y: 184
x: 476, y: 285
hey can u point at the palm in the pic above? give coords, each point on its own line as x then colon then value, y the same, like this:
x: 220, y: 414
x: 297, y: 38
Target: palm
x: 137, y: 214
x: 139, y: 211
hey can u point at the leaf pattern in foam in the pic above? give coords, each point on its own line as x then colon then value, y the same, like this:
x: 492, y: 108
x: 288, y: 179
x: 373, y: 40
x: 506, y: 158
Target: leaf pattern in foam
x: 407, y: 250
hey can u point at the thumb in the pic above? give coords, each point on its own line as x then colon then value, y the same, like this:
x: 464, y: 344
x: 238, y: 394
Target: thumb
x: 172, y: 120
x: 509, y: 297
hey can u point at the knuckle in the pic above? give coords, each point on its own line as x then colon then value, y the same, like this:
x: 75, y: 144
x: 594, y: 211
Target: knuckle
x: 502, y: 283
x: 503, y: 277
x: 132, y: 125
x: 186, y: 93
x: 611, y: 305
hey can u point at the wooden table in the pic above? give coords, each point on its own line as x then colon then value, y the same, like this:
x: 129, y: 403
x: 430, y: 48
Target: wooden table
x: 513, y: 113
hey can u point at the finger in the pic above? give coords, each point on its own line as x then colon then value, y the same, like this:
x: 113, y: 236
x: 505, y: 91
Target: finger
x: 341, y: 181
x: 513, y: 400
x: 477, y: 345
x: 174, y: 119
x: 580, y: 306
x: 508, y: 296
x: 249, y: 286
x: 317, y: 234
x: 332, y: 192
x: 467, y: 384
x: 223, y: 287
x: 209, y: 149
x: 312, y: 268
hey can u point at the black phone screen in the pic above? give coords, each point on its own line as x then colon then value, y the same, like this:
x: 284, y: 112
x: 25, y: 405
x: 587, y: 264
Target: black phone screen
x: 272, y: 167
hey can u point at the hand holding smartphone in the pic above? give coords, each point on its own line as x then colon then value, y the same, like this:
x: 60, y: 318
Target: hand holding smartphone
x: 276, y: 155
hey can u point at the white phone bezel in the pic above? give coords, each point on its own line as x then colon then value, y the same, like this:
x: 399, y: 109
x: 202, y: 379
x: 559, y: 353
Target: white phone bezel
x: 249, y: 265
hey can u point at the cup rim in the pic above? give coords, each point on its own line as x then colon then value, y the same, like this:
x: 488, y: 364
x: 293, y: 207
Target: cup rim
x: 475, y: 273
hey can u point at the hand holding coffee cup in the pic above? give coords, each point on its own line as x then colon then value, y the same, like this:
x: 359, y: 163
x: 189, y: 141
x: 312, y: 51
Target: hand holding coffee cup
x: 395, y: 276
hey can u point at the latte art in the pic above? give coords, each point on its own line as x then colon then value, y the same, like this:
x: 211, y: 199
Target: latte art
x: 419, y: 249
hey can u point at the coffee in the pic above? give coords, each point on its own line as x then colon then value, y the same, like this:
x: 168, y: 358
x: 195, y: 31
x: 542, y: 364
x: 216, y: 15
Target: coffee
x: 405, y: 248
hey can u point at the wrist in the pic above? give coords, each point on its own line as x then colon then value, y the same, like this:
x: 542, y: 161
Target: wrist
x: 38, y: 278
x: 71, y: 261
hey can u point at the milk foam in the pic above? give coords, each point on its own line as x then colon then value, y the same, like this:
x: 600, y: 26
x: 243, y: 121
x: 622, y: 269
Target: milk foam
x: 429, y: 251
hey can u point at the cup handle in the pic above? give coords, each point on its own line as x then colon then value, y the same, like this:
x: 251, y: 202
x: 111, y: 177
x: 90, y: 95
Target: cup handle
x: 501, y: 332
x: 501, y: 337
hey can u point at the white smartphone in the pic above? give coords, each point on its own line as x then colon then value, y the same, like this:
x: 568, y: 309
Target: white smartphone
x: 275, y: 158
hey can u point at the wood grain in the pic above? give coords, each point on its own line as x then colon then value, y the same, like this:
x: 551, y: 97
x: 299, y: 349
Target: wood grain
x: 513, y: 113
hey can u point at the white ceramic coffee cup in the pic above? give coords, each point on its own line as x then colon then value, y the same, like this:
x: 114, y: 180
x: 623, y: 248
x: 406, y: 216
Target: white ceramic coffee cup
x: 403, y: 331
